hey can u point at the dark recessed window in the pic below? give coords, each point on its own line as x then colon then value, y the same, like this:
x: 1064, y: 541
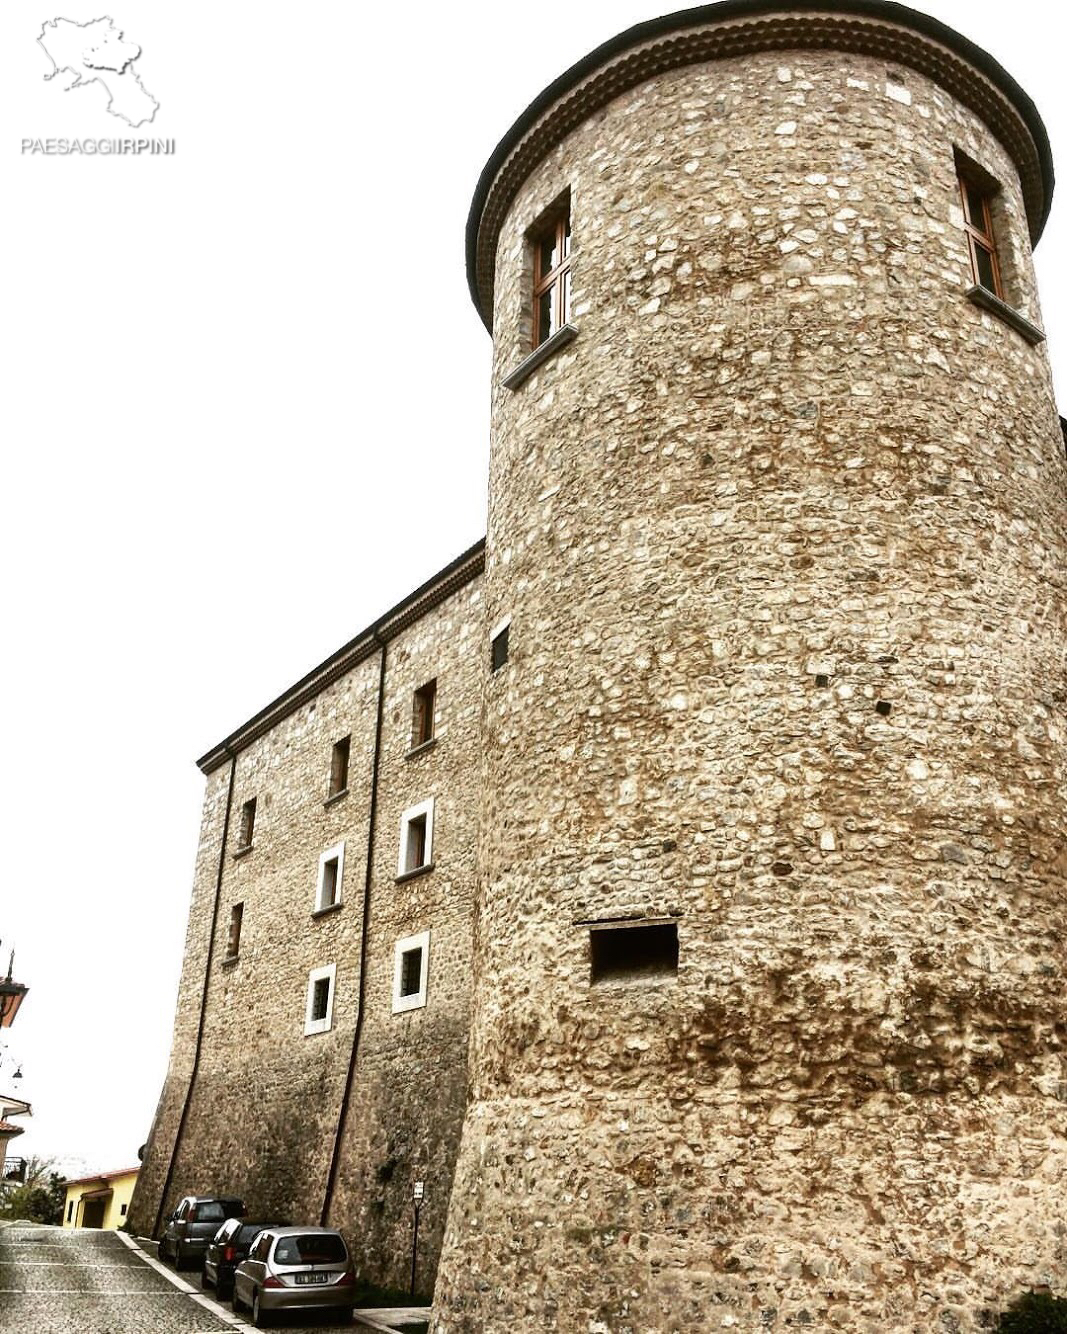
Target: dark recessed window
x: 339, y: 766
x: 978, y: 224
x: 551, y: 240
x: 422, y: 718
x: 248, y: 822
x: 411, y: 972
x: 122, y: 1211
x: 320, y: 998
x: 70, y: 1210
x: 621, y: 952
x: 233, y: 940
x: 415, y: 846
x: 330, y: 879
x: 499, y: 648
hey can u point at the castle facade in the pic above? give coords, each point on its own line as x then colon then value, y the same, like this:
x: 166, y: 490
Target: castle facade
x: 674, y: 887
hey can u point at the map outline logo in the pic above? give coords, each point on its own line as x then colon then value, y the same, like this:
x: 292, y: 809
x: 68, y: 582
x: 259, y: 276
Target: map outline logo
x: 98, y: 51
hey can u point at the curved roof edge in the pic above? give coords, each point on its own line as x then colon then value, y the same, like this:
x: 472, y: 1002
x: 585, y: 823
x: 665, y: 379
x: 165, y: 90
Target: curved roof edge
x: 703, y: 15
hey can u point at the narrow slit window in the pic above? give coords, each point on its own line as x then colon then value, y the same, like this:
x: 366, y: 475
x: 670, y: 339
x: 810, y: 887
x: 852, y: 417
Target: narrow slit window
x: 331, y: 871
x: 624, y: 952
x: 411, y: 958
x: 499, y: 648
x: 233, y: 940
x: 415, y: 854
x: 248, y: 822
x: 422, y: 721
x: 978, y: 225
x: 339, y: 766
x: 551, y: 241
x: 320, y: 999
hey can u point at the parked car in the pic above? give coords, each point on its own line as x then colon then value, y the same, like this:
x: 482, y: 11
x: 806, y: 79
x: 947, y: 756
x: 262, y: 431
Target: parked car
x: 292, y: 1269
x: 229, y: 1246
x: 192, y: 1225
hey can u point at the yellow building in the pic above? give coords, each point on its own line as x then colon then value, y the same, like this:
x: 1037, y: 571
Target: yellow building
x: 99, y: 1201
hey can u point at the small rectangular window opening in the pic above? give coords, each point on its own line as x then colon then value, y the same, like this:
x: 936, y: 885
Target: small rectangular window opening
x: 411, y: 960
x: 551, y: 241
x: 331, y: 874
x: 411, y: 972
x: 122, y: 1211
x: 976, y: 199
x: 422, y: 722
x: 318, y: 1016
x: 70, y: 1210
x: 622, y: 953
x: 233, y: 940
x: 248, y: 822
x: 320, y: 1000
x: 415, y: 850
x: 329, y: 883
x: 499, y: 648
x: 339, y: 766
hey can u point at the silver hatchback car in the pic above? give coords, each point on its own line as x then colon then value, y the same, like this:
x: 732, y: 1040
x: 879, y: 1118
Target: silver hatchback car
x: 293, y: 1268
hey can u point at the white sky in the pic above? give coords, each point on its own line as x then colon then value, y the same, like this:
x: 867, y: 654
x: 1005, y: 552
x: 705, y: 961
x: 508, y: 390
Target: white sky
x: 244, y: 410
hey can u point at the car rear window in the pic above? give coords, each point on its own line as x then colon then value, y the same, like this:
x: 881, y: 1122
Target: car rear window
x: 249, y: 1232
x: 208, y: 1213
x: 316, y: 1249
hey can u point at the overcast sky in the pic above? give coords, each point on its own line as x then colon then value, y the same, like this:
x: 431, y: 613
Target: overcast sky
x: 244, y: 410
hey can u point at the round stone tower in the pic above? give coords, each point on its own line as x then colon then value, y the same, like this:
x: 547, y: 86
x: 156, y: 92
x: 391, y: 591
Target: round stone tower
x: 770, y: 996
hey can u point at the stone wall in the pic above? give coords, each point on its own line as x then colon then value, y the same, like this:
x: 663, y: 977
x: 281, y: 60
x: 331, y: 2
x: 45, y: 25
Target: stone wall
x: 782, y: 539
x: 267, y: 1099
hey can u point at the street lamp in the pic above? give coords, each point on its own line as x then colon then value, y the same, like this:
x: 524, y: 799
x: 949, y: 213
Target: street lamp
x: 11, y: 994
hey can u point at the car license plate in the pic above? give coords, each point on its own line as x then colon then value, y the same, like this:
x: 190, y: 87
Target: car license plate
x: 312, y: 1278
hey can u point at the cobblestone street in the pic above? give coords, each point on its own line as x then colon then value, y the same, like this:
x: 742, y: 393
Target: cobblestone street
x: 89, y: 1282
x: 56, y: 1281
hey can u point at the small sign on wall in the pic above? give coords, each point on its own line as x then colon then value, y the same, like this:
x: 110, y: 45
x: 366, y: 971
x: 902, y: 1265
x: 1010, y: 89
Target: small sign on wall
x: 420, y: 1189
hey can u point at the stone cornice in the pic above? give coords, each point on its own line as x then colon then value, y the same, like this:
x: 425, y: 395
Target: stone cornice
x: 745, y: 27
x: 431, y: 594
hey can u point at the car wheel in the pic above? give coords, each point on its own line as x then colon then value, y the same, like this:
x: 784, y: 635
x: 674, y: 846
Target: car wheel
x: 205, y: 1282
x: 235, y: 1301
x: 259, y: 1316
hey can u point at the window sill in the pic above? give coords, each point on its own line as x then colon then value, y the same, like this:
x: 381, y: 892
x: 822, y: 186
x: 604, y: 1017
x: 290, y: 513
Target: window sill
x: 414, y: 875
x: 243, y: 852
x: 987, y: 300
x: 421, y: 748
x: 337, y: 796
x: 325, y: 912
x: 540, y: 355
x: 230, y: 960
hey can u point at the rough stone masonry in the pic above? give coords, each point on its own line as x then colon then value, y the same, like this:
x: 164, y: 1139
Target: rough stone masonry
x: 779, y: 528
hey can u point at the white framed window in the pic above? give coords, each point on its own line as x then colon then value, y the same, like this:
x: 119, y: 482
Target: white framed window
x: 411, y: 968
x: 319, y: 1015
x: 331, y: 871
x: 416, y: 838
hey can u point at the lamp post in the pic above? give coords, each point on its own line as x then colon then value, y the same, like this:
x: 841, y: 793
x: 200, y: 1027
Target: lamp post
x: 417, y: 1194
x: 11, y: 994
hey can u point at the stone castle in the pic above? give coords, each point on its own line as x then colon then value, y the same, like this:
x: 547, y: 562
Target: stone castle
x: 674, y: 887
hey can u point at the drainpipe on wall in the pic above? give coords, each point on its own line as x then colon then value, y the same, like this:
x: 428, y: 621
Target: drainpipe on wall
x: 342, y: 1116
x: 203, y: 1001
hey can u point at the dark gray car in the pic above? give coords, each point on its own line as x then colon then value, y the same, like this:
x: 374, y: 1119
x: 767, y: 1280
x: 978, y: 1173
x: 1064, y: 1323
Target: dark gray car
x: 192, y: 1225
x: 292, y: 1268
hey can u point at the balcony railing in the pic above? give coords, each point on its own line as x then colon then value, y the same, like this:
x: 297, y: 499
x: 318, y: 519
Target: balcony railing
x: 14, y: 1170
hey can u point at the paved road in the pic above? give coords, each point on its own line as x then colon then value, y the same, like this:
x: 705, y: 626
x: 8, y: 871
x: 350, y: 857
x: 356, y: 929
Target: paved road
x: 55, y: 1281
x: 79, y: 1281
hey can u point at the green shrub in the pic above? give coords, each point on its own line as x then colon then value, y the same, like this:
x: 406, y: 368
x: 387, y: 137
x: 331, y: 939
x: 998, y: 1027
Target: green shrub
x: 1035, y: 1313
